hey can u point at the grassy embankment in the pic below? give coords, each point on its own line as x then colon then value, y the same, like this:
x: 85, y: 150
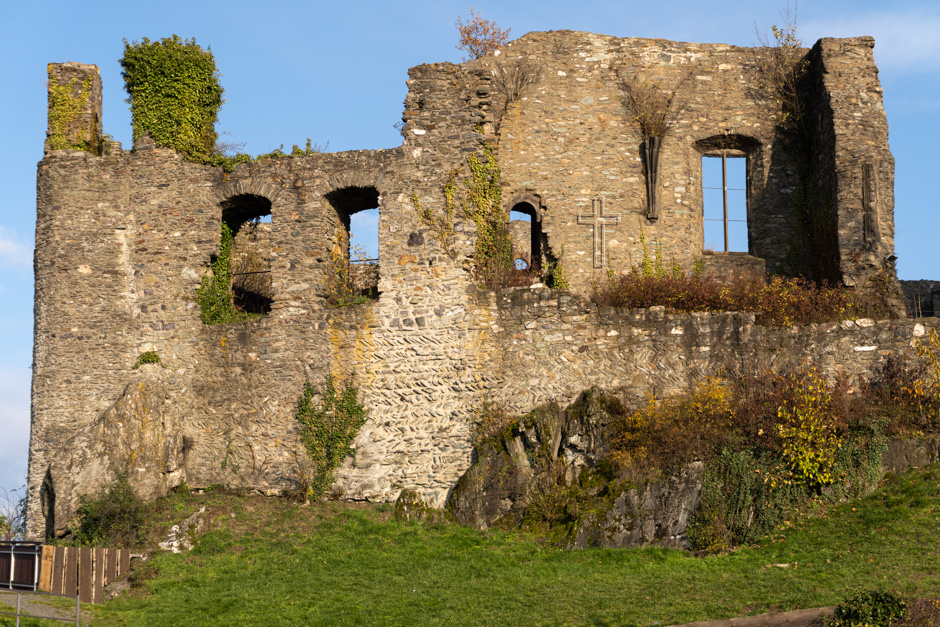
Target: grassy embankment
x: 271, y: 562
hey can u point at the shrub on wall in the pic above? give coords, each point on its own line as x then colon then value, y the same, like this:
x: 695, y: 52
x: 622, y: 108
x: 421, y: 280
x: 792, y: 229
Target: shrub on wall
x: 174, y: 92
x: 778, y: 302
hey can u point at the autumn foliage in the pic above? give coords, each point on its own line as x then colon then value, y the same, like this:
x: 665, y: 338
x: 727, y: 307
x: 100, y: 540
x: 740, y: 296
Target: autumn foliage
x: 479, y: 36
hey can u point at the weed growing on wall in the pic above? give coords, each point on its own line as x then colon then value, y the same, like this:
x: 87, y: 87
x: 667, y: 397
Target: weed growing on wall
x: 650, y: 105
x: 329, y: 420
x: 214, y: 296
x: 350, y: 278
x: 174, y: 92
x: 557, y: 276
x: 513, y: 79
x: 148, y: 357
x: 780, y: 67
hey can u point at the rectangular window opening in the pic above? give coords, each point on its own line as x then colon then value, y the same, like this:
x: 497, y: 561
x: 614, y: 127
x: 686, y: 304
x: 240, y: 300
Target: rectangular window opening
x: 724, y: 202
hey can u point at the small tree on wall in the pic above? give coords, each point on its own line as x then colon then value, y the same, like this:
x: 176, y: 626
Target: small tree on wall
x: 479, y: 36
x: 781, y: 65
x: 174, y: 92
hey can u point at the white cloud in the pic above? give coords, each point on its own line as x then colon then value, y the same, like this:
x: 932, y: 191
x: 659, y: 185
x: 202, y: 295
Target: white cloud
x: 13, y: 251
x: 904, y: 41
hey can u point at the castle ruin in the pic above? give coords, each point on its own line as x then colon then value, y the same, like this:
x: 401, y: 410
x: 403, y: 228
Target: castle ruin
x: 123, y: 239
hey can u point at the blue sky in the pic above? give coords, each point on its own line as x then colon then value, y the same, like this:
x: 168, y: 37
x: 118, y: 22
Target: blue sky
x: 336, y: 72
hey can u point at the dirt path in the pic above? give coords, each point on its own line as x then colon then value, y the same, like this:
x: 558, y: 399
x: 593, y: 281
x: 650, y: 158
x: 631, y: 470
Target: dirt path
x: 40, y: 605
x: 796, y: 618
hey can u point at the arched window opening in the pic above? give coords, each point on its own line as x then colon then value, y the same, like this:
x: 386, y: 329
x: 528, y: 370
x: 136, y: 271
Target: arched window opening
x: 248, y: 218
x: 525, y: 231
x: 520, y: 227
x: 354, y: 265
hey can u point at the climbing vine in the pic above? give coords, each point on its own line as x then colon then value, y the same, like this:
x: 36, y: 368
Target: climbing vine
x: 64, y: 109
x: 329, y: 421
x: 441, y: 226
x: 174, y: 92
x: 481, y: 202
x: 215, y: 294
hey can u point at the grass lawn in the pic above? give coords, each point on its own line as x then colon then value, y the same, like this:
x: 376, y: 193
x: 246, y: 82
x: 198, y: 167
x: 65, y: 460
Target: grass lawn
x: 271, y: 562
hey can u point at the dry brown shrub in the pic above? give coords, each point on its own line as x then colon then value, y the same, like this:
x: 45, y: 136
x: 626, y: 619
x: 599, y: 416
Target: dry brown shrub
x: 780, y: 67
x: 650, y: 104
x: 512, y: 79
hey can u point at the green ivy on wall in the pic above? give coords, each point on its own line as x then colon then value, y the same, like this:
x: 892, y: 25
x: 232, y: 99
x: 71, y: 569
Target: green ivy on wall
x: 215, y: 294
x: 64, y: 109
x: 174, y: 92
x: 329, y: 417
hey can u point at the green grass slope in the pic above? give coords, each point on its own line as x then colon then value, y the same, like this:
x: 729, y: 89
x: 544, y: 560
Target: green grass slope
x: 271, y: 562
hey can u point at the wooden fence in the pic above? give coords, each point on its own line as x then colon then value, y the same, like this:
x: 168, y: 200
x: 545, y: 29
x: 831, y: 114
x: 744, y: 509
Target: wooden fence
x: 19, y: 565
x: 82, y: 571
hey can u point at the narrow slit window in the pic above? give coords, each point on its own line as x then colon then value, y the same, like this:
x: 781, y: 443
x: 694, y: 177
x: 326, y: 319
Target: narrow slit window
x: 724, y: 202
x: 526, y: 232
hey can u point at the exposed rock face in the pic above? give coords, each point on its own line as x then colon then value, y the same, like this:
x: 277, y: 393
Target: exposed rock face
x: 911, y: 453
x: 139, y: 435
x: 182, y: 537
x: 550, y: 468
x: 655, y: 513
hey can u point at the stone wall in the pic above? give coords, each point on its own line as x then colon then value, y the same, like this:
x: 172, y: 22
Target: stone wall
x: 923, y: 297
x: 123, y: 241
x: 865, y: 234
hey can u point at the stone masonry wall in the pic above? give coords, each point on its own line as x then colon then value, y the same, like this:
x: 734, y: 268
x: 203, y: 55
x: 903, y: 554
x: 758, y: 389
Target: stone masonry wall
x: 570, y: 139
x: 123, y: 240
x: 554, y: 345
x: 849, y: 131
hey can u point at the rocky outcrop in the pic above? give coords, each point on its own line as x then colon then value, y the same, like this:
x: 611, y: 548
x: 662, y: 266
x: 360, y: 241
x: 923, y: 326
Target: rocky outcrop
x: 549, y: 469
x: 138, y: 435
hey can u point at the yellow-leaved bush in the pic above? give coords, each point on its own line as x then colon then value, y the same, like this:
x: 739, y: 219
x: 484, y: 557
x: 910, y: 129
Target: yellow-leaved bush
x: 809, y: 429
